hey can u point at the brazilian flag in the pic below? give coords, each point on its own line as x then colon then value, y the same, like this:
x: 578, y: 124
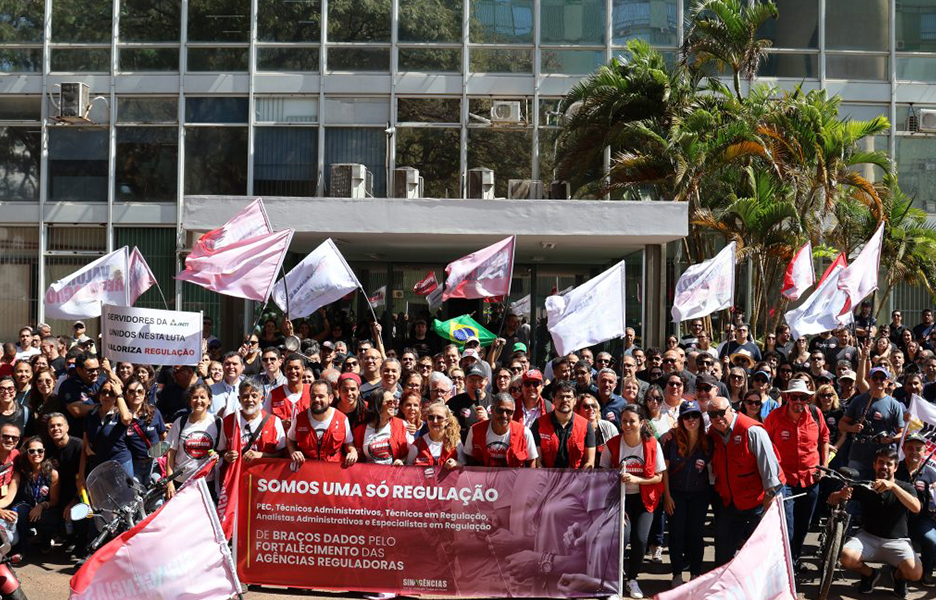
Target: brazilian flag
x: 459, y: 329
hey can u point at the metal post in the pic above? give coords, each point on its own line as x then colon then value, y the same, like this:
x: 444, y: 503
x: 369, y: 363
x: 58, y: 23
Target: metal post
x: 112, y: 129
x: 180, y: 171
x: 44, y: 158
x: 537, y: 66
x: 323, y: 63
x: 251, y: 99
x: 463, y: 146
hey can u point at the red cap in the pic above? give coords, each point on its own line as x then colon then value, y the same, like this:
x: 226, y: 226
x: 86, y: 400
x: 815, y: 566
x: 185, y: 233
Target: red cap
x: 532, y: 375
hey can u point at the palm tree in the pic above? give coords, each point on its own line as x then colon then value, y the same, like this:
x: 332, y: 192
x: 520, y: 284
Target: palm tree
x: 724, y: 32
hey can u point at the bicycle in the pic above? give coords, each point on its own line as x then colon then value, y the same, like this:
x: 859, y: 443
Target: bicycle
x: 832, y: 534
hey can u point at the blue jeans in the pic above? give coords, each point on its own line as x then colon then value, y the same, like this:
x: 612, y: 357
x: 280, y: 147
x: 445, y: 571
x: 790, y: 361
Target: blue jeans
x: 685, y: 530
x: 659, y: 526
x: 923, y: 533
x: 732, y: 528
x: 799, y: 513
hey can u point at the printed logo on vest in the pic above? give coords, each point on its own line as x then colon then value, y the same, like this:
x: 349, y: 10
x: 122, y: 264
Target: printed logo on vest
x: 784, y: 435
x: 699, y: 464
x: 737, y: 439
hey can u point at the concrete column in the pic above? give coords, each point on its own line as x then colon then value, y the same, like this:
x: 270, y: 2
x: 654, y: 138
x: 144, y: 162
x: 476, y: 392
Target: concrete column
x: 655, y: 315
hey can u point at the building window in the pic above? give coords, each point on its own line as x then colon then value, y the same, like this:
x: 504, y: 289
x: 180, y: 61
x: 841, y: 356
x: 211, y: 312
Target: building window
x: 20, y: 151
x: 653, y: 21
x: 359, y: 20
x: 509, y: 153
x: 146, y: 164
x: 149, y: 20
x: 367, y: 146
x: 19, y: 268
x: 285, y: 161
x: 289, y: 20
x: 81, y: 21
x: 216, y: 110
x: 435, y: 152
x: 501, y: 22
x: 78, y: 164
x: 845, y: 17
x: 430, y: 21
x: 572, y: 22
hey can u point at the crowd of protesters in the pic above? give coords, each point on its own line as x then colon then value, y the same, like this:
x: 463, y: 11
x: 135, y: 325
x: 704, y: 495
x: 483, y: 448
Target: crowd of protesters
x: 699, y: 424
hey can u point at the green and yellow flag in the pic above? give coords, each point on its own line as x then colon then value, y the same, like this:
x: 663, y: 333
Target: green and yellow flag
x: 460, y: 329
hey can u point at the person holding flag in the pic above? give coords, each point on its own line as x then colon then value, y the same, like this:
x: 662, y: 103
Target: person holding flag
x: 251, y: 433
x: 918, y: 470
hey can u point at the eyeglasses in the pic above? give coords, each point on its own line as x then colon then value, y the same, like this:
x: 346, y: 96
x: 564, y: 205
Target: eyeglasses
x: 8, y: 389
x: 504, y: 411
x: 703, y: 388
x: 739, y: 377
x: 35, y: 452
x: 439, y: 391
x: 602, y: 360
x: 799, y: 398
x: 514, y: 390
x: 253, y: 343
x: 269, y: 359
x: 531, y: 383
x: 420, y: 367
x: 138, y: 391
x: 435, y: 418
x: 589, y: 407
x: 717, y: 414
x: 654, y: 399
x: 669, y: 361
x: 9, y: 438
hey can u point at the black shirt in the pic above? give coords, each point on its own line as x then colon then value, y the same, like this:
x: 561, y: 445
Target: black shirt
x: 890, y: 515
x: 59, y: 365
x: 17, y: 418
x: 66, y: 460
x: 924, y: 482
x: 462, y: 406
x: 563, y: 433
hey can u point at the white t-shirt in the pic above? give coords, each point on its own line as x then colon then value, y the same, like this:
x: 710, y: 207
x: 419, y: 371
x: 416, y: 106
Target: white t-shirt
x: 377, y: 444
x: 192, y: 441
x: 632, y: 459
x: 247, y: 429
x: 498, y: 445
x: 27, y: 353
x: 320, y: 427
x: 435, y: 449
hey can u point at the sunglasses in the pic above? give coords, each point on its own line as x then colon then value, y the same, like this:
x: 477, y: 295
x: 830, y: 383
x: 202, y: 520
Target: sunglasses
x: 827, y: 395
x: 691, y: 416
x: 504, y: 411
x: 589, y: 407
x: 108, y: 393
x: 718, y: 414
x: 35, y: 452
x: 740, y: 377
x: 674, y: 383
x: 655, y: 399
x: 269, y: 359
x: 669, y: 361
x: 753, y: 402
x: 10, y: 438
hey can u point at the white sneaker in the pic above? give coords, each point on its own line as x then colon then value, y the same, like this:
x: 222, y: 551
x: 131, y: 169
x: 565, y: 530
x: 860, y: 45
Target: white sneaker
x: 633, y: 589
x: 656, y: 555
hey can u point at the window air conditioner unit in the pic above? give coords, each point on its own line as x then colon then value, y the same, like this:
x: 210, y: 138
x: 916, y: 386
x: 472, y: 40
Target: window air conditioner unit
x: 926, y: 121
x: 559, y: 190
x: 72, y: 102
x: 506, y: 111
x: 406, y: 183
x: 481, y: 183
x: 348, y: 180
x: 524, y: 189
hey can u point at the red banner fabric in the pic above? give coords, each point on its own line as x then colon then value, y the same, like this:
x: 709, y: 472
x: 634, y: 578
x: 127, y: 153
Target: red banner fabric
x: 466, y: 532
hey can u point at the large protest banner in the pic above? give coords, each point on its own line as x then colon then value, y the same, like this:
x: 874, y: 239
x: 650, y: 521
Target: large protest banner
x: 466, y: 532
x: 154, y: 337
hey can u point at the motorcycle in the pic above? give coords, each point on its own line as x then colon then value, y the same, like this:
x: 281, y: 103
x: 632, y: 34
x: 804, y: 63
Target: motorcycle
x: 9, y: 584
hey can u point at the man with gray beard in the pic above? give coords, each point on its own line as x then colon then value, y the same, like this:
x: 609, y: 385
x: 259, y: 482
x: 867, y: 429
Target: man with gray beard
x: 262, y: 434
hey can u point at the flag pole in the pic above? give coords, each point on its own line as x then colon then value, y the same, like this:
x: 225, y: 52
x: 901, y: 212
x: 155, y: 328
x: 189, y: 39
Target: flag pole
x: 513, y: 251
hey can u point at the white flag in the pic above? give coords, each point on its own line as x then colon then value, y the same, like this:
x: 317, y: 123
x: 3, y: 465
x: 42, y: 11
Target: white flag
x: 860, y: 278
x: 379, y: 298
x: 521, y: 306
x: 80, y: 295
x: 799, y: 275
x: 921, y: 420
x: 435, y: 299
x: 706, y: 287
x: 820, y: 311
x: 589, y: 314
x: 320, y: 279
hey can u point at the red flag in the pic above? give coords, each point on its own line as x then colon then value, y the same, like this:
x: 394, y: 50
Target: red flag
x: 227, y: 495
x: 840, y: 261
x: 494, y: 299
x: 799, y: 274
x: 481, y: 274
x: 427, y: 285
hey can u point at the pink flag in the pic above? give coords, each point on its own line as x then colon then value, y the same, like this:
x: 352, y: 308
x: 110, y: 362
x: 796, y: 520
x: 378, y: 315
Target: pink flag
x: 227, y: 493
x: 860, y: 278
x: 427, y: 285
x: 141, y: 278
x: 176, y: 552
x: 249, y: 223
x: 243, y: 269
x: 762, y: 569
x: 481, y: 274
x: 799, y: 274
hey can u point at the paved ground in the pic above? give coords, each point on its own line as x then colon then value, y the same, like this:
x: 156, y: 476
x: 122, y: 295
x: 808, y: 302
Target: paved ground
x: 48, y: 580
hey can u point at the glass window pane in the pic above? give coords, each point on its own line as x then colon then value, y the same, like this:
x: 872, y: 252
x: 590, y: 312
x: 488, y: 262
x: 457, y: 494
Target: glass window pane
x: 218, y: 20
x: 430, y: 20
x: 570, y: 62
x: 148, y: 110
x: 796, y: 27
x: 20, y: 108
x: 148, y: 59
x: 367, y: 146
x: 146, y: 164
x: 435, y: 60
x: 572, y: 21
x: 651, y: 20
x: 862, y: 112
x: 149, y: 20
x: 508, y: 152
x: 285, y: 161
x: 287, y: 110
x: 84, y: 60
x: 21, y: 21
x: 790, y: 65
x: 916, y: 25
x: 217, y: 59
x: 857, y: 24
x: 435, y: 152
x: 289, y: 20
x: 216, y: 110
x: 19, y: 255
x: 359, y: 59
x: 916, y: 68
x: 479, y: 110
x: 357, y: 111
x: 359, y: 20
x: 82, y: 21
x: 868, y: 68
x: 288, y: 59
x: 916, y: 169
x: 216, y: 160
x: 501, y: 22
x: 78, y: 164
x: 21, y: 60
x: 429, y: 110
x: 20, y: 151
x: 499, y: 60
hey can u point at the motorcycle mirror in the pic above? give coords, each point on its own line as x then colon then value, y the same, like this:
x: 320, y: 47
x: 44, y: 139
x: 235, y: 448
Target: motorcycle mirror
x: 850, y: 473
x: 292, y: 343
x: 158, y: 449
x: 80, y: 511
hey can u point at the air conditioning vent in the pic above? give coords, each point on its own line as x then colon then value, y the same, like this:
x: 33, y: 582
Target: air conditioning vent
x: 524, y: 189
x: 927, y: 120
x: 406, y: 183
x: 349, y: 180
x: 481, y: 183
x: 506, y: 111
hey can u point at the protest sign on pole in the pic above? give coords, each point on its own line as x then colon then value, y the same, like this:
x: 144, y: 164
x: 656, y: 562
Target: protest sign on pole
x: 151, y: 336
x: 427, y: 530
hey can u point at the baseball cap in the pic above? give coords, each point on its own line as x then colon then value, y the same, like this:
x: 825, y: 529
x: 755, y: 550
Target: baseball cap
x: 914, y: 437
x: 472, y: 338
x: 706, y: 379
x: 879, y: 370
x: 471, y: 353
x: 329, y: 345
x: 848, y: 374
x: 688, y: 407
x: 475, y: 370
x: 519, y: 347
x: 79, y: 324
x: 532, y: 375
x: 764, y: 373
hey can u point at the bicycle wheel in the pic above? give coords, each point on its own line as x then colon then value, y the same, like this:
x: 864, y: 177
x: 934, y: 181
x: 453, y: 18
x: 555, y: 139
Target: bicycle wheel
x: 830, y: 557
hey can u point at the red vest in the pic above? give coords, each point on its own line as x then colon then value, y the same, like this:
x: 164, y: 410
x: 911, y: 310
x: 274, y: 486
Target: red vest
x: 517, y: 453
x: 280, y: 405
x: 737, y: 479
x: 331, y: 446
x: 266, y: 442
x: 650, y: 494
x: 424, y: 458
x: 549, y: 441
x: 399, y: 446
x: 797, y: 444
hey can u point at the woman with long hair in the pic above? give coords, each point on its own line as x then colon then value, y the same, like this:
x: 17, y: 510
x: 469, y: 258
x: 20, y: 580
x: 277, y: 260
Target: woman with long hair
x: 501, y: 383
x: 382, y: 439
x: 442, y: 443
x: 687, y: 452
x: 799, y: 355
x: 784, y: 374
x: 194, y: 435
x: 589, y: 407
x: 737, y: 383
x: 124, y: 372
x: 752, y: 405
x: 43, y: 401
x: 269, y: 336
x: 411, y: 410
x: 349, y: 399
x: 639, y: 457
x: 660, y: 420
x: 146, y: 428
x: 37, y: 495
x: 105, y: 434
